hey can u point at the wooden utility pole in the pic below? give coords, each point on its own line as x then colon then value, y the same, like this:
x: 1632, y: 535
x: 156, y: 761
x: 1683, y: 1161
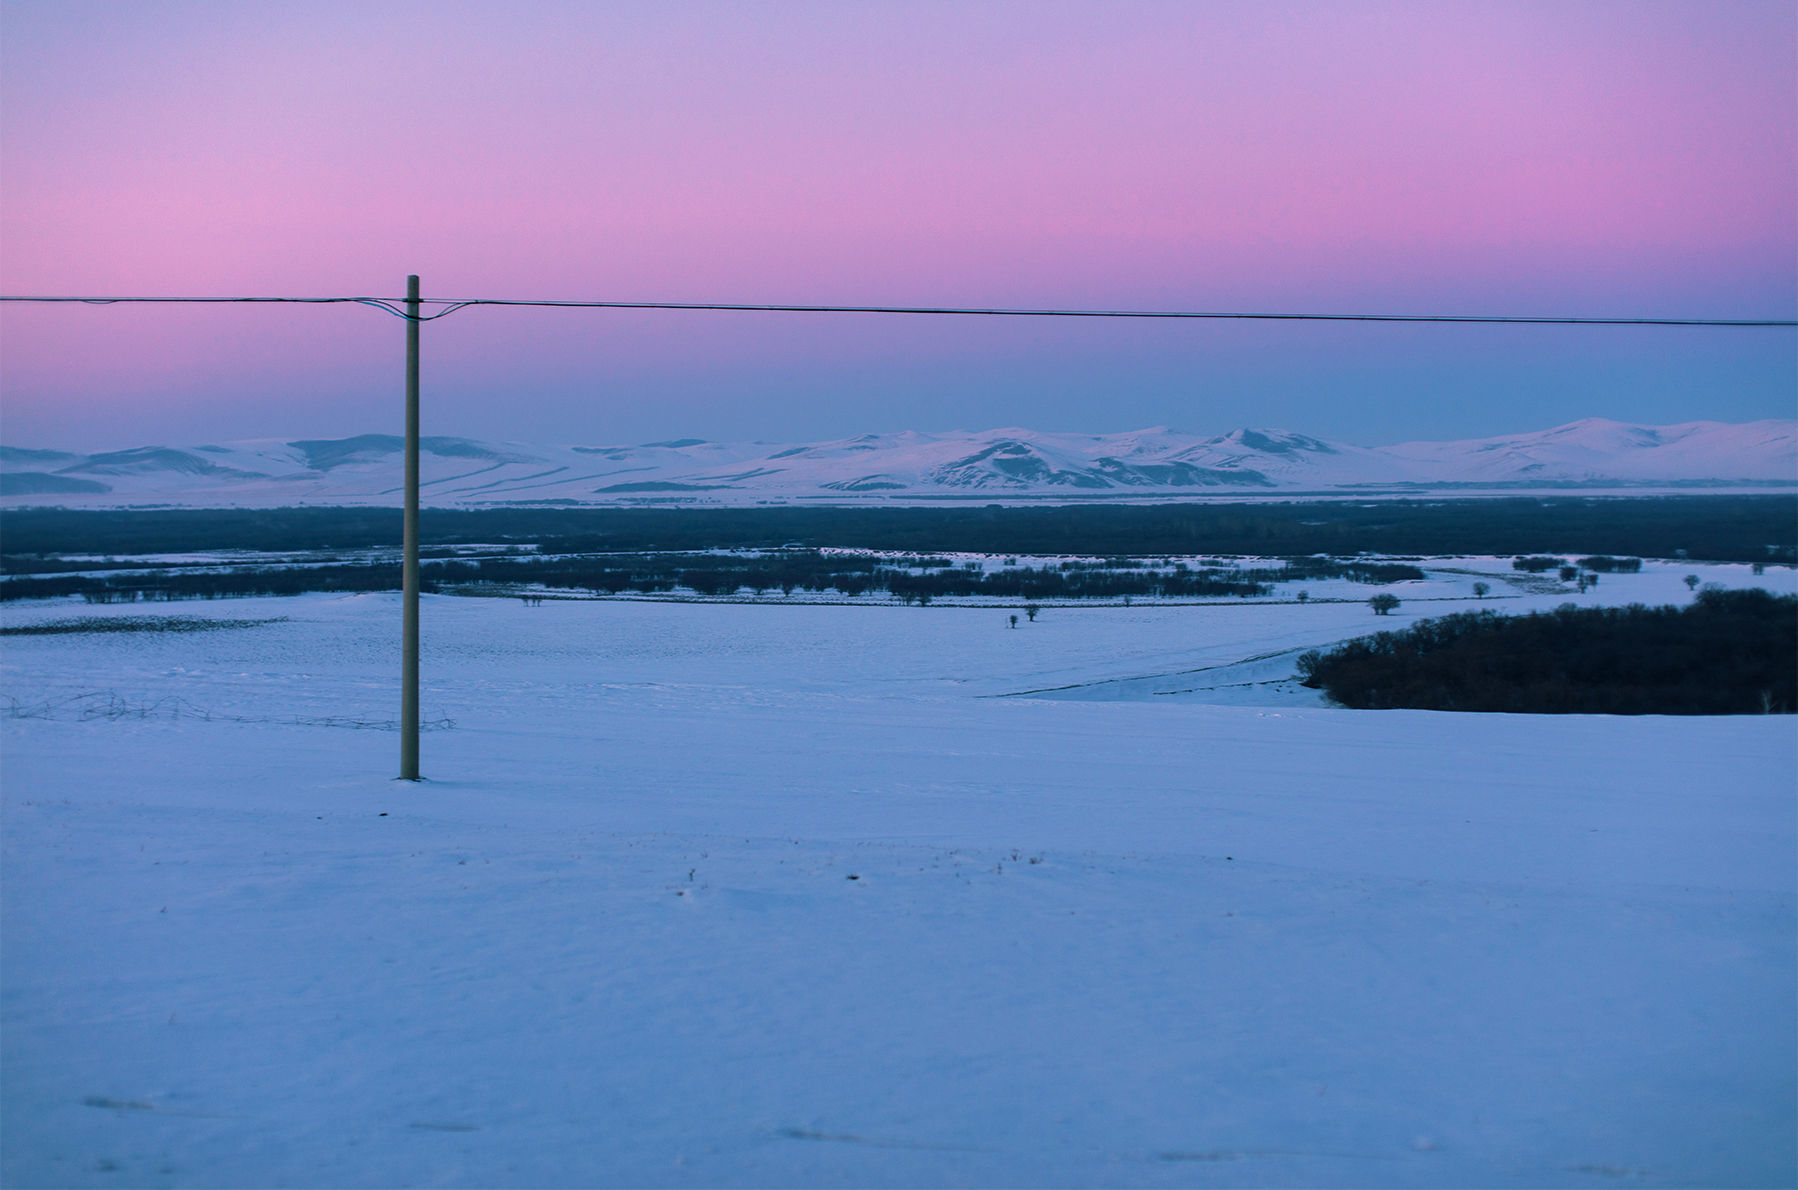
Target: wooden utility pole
x: 409, y: 572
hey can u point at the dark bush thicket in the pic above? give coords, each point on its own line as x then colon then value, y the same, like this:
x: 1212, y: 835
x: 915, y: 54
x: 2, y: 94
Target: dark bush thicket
x: 1354, y: 571
x: 176, y: 584
x: 810, y: 570
x: 1730, y: 652
x: 1597, y: 564
x: 1046, y: 583
x: 1605, y: 564
x: 710, y: 574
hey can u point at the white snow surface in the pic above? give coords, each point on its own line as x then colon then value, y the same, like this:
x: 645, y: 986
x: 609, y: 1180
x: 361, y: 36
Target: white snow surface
x: 909, y: 467
x: 740, y: 894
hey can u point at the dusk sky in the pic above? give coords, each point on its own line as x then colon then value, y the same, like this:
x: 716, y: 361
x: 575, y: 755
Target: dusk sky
x: 1614, y: 159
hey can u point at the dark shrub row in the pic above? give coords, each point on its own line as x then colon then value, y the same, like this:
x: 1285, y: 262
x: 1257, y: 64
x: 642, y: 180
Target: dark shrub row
x: 707, y: 574
x: 1596, y: 564
x: 1354, y: 570
x: 1730, y: 652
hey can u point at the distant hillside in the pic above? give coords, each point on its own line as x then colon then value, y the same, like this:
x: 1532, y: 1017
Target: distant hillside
x: 904, y: 468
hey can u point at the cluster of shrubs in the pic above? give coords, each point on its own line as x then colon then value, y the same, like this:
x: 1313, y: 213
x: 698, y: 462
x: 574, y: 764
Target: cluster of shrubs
x: 1354, y: 570
x: 1596, y: 564
x: 910, y: 578
x: 907, y: 577
x: 156, y: 585
x: 1729, y: 652
x: 706, y: 573
x: 1046, y: 583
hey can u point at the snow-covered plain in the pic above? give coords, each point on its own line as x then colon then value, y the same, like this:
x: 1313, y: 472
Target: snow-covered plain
x: 718, y: 893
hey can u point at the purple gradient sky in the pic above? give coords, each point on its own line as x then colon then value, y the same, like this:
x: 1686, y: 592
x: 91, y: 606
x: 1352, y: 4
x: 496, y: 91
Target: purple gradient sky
x: 1584, y: 158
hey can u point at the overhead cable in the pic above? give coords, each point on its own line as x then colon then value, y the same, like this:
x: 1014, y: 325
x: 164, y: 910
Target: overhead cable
x: 444, y: 306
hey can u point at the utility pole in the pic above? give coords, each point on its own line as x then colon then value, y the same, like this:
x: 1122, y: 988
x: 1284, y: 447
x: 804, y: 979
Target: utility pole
x: 409, y: 570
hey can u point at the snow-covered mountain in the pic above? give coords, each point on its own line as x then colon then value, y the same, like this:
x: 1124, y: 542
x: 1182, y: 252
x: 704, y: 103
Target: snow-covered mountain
x: 899, y: 468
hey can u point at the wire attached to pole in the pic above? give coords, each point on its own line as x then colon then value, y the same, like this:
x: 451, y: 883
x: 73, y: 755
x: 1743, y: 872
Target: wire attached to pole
x: 397, y: 308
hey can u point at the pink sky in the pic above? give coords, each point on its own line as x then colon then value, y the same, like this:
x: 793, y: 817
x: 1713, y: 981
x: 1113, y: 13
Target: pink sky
x: 1627, y: 159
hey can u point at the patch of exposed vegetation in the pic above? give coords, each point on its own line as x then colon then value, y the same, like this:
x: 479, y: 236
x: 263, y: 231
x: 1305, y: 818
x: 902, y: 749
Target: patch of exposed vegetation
x: 910, y: 578
x: 84, y: 624
x: 1728, y: 653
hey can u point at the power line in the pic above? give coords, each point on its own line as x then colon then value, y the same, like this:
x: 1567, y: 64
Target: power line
x: 396, y: 307
x: 409, y: 308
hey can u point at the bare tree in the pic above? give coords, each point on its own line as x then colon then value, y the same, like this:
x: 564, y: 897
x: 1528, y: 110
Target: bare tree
x: 1691, y: 581
x: 1383, y: 603
x: 1481, y: 590
x: 1030, y: 610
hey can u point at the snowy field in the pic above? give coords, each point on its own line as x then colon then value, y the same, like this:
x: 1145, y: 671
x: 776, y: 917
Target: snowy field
x: 739, y: 894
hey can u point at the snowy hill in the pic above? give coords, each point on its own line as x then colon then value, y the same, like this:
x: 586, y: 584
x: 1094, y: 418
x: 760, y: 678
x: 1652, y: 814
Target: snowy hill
x: 1012, y: 463
x: 1596, y: 449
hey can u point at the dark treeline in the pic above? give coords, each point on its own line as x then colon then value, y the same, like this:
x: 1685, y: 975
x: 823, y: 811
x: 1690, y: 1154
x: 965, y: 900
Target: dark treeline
x: 1602, y: 564
x: 20, y: 564
x: 206, y: 584
x: 910, y: 579
x: 1354, y: 570
x: 1045, y: 583
x: 1712, y: 528
x: 1729, y: 652
x: 810, y: 570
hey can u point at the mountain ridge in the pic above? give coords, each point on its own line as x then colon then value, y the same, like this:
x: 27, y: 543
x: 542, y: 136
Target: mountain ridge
x: 905, y: 466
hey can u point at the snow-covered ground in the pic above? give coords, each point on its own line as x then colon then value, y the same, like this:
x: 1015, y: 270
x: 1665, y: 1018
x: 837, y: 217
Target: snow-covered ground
x: 715, y: 893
